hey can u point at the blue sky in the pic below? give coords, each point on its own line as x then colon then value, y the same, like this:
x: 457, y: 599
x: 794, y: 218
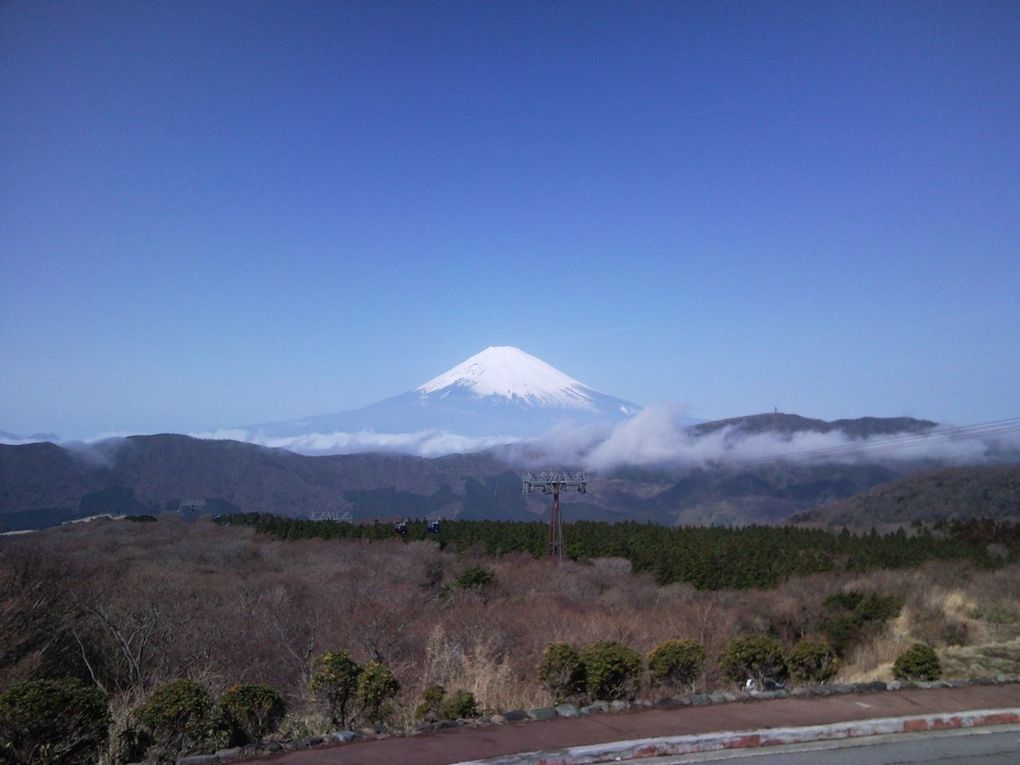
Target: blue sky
x: 214, y: 214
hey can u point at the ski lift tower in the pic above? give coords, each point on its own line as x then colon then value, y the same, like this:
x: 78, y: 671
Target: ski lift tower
x: 549, y: 482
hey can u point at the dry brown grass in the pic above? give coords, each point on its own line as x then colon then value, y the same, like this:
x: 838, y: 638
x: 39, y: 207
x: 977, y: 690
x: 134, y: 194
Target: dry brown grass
x: 944, y: 604
x: 983, y: 660
x: 223, y: 605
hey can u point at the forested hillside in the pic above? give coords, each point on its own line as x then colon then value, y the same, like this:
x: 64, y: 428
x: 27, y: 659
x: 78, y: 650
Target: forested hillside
x: 46, y: 484
x: 948, y: 493
x: 706, y: 557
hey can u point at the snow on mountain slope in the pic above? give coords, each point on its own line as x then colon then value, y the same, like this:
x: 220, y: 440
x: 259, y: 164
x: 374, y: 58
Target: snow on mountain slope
x: 513, y: 374
x: 499, y: 392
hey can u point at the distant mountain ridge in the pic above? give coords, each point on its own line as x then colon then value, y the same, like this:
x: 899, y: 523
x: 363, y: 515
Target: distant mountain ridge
x: 159, y: 471
x: 45, y: 483
x: 41, y: 484
x: 781, y: 423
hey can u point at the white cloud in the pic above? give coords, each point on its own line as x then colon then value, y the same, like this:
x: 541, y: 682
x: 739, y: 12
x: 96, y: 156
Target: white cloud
x: 659, y: 435
x: 427, y: 443
x: 11, y: 441
x: 653, y: 436
x: 99, y: 453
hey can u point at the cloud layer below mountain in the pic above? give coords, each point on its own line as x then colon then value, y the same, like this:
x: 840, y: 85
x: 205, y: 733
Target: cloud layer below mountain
x: 656, y: 436
x: 659, y: 435
x: 426, y: 443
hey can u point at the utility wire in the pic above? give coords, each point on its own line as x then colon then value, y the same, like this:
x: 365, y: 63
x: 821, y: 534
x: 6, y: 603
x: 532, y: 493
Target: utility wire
x: 967, y: 432
x: 851, y: 450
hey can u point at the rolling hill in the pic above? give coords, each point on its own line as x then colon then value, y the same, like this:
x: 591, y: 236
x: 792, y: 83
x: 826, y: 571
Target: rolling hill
x: 42, y: 484
x: 948, y: 493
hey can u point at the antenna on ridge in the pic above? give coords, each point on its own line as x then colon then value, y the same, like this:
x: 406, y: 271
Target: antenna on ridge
x: 552, y: 482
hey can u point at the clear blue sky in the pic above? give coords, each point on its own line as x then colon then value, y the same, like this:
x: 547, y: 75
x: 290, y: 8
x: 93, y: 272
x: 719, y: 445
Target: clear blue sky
x: 217, y: 213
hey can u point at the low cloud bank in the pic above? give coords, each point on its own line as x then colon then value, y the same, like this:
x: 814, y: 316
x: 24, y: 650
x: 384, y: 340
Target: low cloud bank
x: 657, y: 437
x: 428, y: 443
x: 660, y: 435
x: 9, y: 440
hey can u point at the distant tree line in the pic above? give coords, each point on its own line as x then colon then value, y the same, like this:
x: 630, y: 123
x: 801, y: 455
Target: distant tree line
x: 709, y: 558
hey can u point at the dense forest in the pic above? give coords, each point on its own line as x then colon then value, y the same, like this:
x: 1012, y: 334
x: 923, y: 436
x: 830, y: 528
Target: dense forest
x: 709, y: 558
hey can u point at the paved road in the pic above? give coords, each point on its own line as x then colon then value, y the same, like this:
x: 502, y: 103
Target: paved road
x: 987, y: 746
x: 460, y: 744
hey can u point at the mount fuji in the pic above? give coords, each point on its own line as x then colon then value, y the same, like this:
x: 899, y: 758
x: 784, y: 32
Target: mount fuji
x: 499, y: 392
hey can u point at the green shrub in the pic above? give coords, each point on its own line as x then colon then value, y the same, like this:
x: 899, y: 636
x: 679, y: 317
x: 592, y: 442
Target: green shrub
x: 561, y: 672
x: 813, y: 661
x: 850, y: 616
x: 430, y: 708
x: 612, y: 670
x: 919, y: 662
x: 460, y: 705
x: 476, y: 578
x: 436, y: 705
x: 252, y: 712
x: 177, y: 720
x: 334, y: 680
x: 676, y: 663
x: 754, y: 657
x: 44, y: 722
x: 376, y: 688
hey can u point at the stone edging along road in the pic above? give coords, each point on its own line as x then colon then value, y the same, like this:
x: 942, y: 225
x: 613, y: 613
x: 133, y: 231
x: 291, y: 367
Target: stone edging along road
x: 757, y: 721
x: 714, y: 742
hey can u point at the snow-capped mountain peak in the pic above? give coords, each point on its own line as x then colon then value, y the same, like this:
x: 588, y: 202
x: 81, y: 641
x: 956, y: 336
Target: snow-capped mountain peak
x: 500, y: 393
x: 511, y: 373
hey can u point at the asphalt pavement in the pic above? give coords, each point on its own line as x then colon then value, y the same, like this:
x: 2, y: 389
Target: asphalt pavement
x: 549, y: 739
x: 999, y: 745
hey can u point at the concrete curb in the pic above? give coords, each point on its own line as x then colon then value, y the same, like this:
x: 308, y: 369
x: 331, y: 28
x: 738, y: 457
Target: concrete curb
x: 712, y: 742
